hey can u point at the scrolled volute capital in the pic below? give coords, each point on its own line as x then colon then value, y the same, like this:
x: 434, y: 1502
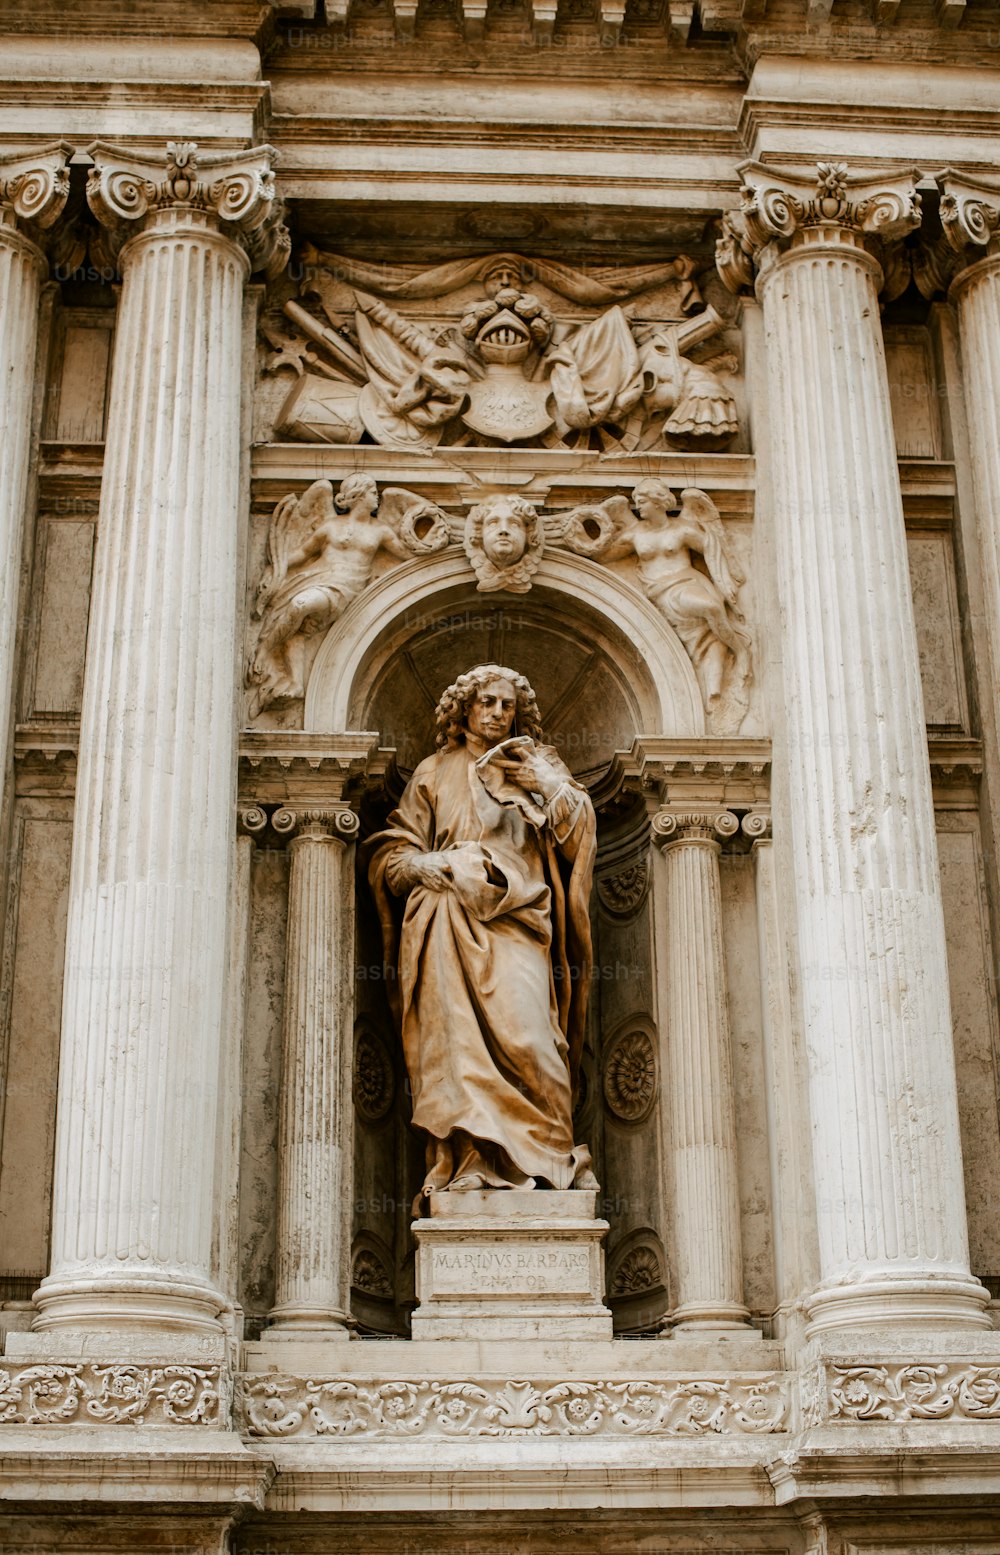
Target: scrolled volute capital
x: 251, y: 821
x: 234, y: 188
x: 694, y: 826
x: 970, y: 213
x: 34, y: 184
x: 784, y: 209
x: 317, y: 824
x: 756, y: 825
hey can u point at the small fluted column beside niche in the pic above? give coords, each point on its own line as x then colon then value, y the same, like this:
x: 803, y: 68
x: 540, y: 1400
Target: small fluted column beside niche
x: 873, y: 972
x: 970, y: 216
x: 708, y: 1273
x: 316, y: 1130
x: 148, y: 931
x: 33, y: 190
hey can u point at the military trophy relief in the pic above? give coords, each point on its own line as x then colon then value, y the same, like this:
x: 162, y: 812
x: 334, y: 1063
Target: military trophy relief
x: 325, y: 548
x: 501, y: 351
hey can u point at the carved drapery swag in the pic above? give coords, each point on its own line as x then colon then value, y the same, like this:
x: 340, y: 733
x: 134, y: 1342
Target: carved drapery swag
x: 518, y: 351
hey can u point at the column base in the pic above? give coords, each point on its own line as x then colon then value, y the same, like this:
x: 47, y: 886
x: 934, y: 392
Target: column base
x: 296, y: 1320
x: 898, y: 1302
x: 103, y: 1304
x: 508, y: 1264
x: 711, y: 1317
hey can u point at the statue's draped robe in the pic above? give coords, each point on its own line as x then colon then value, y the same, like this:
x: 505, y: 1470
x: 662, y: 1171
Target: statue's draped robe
x: 494, y: 971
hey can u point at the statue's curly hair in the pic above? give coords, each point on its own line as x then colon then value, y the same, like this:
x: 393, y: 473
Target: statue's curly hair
x: 351, y: 489
x: 453, y: 708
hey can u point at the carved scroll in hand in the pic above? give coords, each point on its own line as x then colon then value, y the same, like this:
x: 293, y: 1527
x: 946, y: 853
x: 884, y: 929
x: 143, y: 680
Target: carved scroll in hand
x: 502, y: 370
x: 663, y: 535
x: 321, y: 550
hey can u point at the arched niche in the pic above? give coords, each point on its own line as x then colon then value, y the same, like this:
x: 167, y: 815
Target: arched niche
x: 605, y: 664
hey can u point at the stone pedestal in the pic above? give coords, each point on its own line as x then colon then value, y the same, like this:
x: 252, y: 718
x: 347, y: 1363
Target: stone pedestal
x: 506, y: 1264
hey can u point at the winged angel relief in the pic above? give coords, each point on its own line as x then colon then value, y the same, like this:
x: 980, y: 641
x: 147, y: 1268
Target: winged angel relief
x: 322, y: 550
x: 499, y: 351
x: 320, y: 554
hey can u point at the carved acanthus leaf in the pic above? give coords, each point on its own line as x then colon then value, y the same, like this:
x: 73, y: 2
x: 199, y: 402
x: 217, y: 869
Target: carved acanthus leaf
x: 124, y: 187
x: 280, y: 1406
x: 780, y: 208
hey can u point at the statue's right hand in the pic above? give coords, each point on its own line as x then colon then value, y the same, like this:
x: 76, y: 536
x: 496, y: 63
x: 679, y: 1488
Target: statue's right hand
x: 432, y: 870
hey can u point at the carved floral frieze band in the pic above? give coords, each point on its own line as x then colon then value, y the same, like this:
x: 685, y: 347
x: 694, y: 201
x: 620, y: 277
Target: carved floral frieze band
x: 88, y: 1394
x: 281, y: 1406
x: 125, y: 186
x: 322, y: 550
x: 882, y: 1393
x: 516, y: 351
x: 781, y: 208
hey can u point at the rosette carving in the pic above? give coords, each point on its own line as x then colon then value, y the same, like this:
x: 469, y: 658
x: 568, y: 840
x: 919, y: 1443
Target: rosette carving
x: 236, y: 188
x: 374, y: 1084
x: 625, y: 891
x: 630, y: 1076
x: 780, y: 208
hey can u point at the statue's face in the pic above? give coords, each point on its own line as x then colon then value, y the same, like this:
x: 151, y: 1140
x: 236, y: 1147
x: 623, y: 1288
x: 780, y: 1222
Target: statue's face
x: 491, y: 715
x: 504, y: 536
x: 650, y: 506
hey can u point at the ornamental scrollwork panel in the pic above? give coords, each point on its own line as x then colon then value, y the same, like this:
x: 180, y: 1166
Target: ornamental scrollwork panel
x: 500, y: 351
x: 89, y: 1394
x: 886, y: 1393
x: 283, y: 1406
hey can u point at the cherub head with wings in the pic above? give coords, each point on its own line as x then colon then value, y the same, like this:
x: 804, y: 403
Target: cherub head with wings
x: 504, y: 539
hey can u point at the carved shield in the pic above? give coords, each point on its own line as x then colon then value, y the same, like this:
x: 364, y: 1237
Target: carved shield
x: 506, y: 406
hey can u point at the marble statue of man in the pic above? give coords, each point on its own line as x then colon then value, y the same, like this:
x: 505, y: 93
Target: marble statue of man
x: 492, y: 848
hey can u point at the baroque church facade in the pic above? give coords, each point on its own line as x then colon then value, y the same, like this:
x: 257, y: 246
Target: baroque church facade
x: 649, y: 349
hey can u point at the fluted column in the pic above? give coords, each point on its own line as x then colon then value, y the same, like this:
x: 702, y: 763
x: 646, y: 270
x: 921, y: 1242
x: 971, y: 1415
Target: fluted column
x: 316, y: 1140
x: 147, y: 937
x: 706, y: 1206
x: 33, y: 191
x: 873, y: 970
x: 970, y: 216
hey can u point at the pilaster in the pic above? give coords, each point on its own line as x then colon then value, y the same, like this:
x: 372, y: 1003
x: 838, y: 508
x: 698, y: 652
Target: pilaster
x: 873, y: 972
x: 34, y: 186
x: 148, y: 930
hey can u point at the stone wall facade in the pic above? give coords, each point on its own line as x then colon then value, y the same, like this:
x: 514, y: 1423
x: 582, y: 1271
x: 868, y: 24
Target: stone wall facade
x: 299, y: 304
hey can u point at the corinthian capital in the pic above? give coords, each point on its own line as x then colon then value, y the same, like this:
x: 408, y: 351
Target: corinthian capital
x: 236, y: 188
x: 784, y: 208
x: 34, y: 185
